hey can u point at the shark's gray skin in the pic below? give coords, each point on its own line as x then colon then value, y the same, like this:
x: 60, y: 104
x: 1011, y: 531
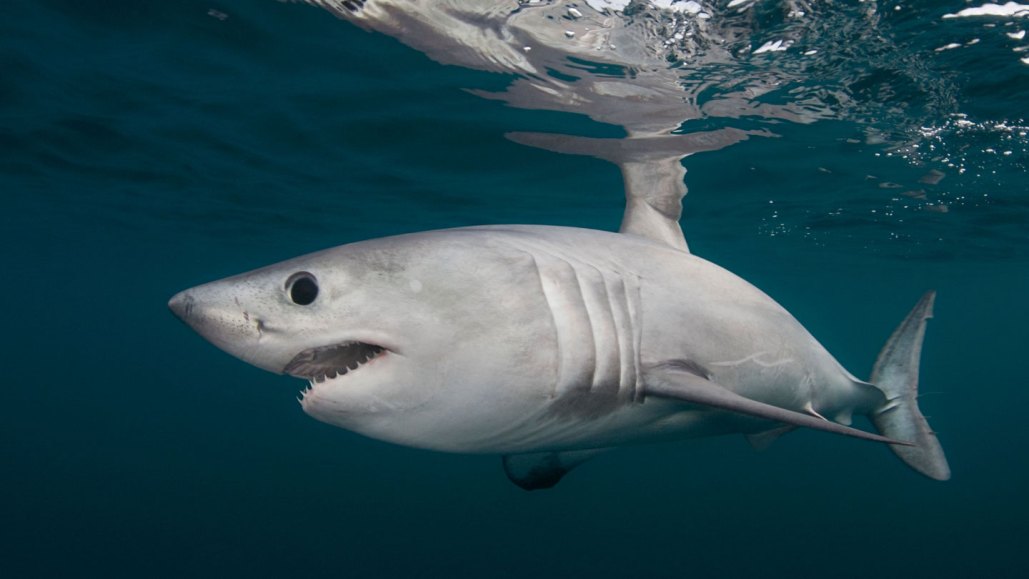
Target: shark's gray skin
x: 549, y: 344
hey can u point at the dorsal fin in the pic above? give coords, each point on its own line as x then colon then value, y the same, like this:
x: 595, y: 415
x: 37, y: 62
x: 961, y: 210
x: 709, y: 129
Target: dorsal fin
x: 651, y: 169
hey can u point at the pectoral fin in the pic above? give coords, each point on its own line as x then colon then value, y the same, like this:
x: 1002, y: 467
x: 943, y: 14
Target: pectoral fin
x: 542, y: 470
x: 678, y: 382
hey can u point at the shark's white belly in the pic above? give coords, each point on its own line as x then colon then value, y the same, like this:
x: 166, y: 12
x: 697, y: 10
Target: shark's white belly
x: 618, y: 305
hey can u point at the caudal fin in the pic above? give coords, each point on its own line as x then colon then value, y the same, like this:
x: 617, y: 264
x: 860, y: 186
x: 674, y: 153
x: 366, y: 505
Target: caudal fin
x: 896, y: 374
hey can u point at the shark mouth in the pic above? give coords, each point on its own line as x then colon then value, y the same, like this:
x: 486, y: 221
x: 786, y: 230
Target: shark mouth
x: 327, y: 362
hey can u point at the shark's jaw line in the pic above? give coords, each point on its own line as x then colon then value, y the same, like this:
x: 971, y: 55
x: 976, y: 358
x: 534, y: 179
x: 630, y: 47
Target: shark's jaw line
x: 328, y: 362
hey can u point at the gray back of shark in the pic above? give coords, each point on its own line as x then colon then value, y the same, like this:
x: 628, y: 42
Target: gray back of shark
x: 550, y: 344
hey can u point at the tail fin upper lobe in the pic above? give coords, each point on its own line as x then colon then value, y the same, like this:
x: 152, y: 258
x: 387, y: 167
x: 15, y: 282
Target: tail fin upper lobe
x: 896, y: 374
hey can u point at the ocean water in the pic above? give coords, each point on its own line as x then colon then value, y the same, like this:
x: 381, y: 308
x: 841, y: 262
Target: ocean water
x: 146, y: 147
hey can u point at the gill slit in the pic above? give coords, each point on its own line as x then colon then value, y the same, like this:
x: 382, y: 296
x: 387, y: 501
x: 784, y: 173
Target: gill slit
x: 553, y: 322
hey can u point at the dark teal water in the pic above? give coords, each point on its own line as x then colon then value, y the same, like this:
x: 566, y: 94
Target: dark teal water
x: 149, y: 146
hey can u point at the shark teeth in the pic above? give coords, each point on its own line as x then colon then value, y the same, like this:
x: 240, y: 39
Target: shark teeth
x: 327, y: 362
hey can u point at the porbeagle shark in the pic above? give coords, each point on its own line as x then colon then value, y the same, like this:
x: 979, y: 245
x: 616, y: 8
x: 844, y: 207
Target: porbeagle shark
x: 549, y: 344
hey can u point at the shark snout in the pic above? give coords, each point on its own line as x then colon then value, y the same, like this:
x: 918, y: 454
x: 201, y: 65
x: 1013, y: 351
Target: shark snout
x: 203, y: 315
x: 220, y: 318
x: 181, y: 304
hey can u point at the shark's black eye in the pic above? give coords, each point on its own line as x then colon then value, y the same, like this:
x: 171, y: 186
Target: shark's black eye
x: 302, y: 288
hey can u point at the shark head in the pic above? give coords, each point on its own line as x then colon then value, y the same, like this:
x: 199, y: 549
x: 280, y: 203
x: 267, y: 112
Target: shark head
x: 407, y: 339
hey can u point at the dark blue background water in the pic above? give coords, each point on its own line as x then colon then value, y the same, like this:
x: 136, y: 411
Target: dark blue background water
x: 149, y: 146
